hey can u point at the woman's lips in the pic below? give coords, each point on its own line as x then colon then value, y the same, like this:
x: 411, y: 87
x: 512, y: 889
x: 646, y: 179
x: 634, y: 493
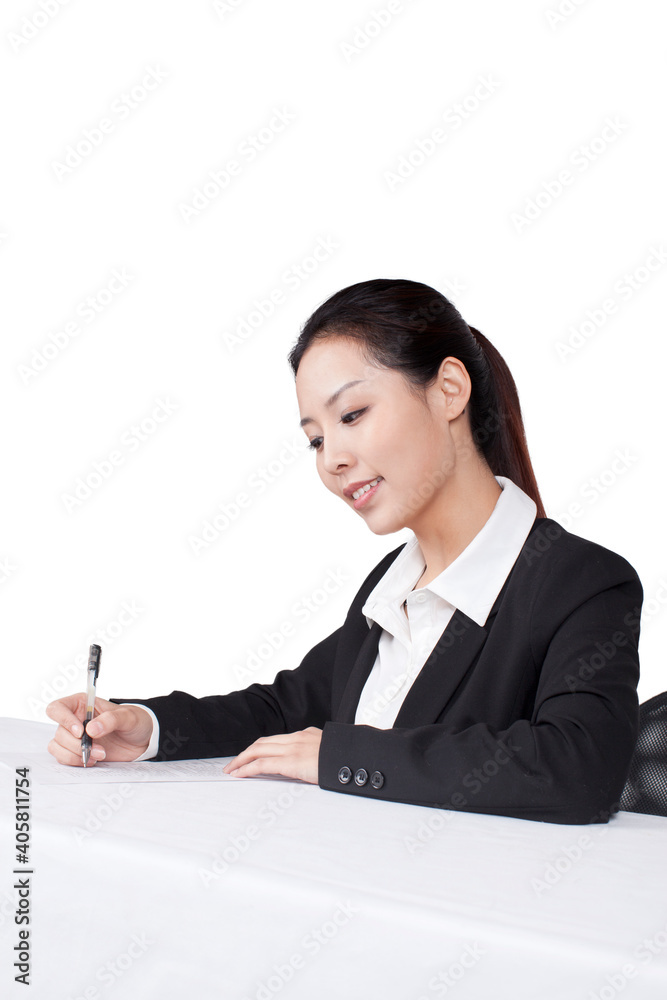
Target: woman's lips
x: 363, y: 500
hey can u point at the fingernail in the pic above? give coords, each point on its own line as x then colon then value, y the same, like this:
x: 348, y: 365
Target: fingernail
x: 77, y: 730
x: 98, y: 752
x: 93, y: 729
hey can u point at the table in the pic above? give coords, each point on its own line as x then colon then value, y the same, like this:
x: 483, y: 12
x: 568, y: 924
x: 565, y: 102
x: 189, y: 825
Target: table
x: 267, y: 887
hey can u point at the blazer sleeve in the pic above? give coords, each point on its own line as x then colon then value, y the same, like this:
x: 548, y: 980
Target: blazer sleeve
x: 224, y: 725
x: 567, y: 762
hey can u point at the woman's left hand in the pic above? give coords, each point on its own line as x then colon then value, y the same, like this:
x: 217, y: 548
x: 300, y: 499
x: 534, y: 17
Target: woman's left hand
x: 292, y: 754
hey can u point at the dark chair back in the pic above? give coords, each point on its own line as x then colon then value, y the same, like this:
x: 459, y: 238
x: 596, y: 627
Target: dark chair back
x: 645, y: 790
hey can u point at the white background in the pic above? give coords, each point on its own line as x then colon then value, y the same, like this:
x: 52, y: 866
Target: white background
x: 360, y: 97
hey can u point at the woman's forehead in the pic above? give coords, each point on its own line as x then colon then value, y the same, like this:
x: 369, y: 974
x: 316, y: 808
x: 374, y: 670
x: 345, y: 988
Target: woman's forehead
x: 324, y: 377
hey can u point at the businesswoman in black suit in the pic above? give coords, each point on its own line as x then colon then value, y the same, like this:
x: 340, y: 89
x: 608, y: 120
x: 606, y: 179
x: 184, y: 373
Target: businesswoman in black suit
x: 490, y: 663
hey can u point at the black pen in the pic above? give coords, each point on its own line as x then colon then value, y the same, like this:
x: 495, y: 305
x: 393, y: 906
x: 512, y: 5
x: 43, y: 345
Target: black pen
x: 94, y: 657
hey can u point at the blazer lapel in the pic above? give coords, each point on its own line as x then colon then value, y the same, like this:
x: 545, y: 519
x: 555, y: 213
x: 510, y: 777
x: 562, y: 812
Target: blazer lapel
x: 446, y: 666
x: 359, y: 673
x: 437, y: 681
x: 443, y: 671
x: 453, y: 656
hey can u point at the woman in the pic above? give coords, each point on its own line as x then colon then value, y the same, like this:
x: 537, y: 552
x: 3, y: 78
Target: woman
x: 488, y: 664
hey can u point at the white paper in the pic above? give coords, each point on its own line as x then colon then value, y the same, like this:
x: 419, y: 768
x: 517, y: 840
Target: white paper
x: 45, y: 770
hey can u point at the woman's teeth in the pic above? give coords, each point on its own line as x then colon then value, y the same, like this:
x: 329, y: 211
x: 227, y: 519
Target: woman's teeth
x: 364, y: 489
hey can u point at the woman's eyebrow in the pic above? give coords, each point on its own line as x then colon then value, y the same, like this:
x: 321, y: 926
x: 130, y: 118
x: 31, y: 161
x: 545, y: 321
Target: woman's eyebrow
x: 332, y: 399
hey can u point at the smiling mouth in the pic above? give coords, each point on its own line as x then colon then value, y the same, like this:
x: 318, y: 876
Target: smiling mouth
x: 365, y: 494
x: 366, y: 488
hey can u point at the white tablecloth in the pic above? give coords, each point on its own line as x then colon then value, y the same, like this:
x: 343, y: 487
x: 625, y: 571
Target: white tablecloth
x: 263, y: 888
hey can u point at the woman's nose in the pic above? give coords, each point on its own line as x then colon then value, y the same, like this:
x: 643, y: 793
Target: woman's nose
x: 336, y: 459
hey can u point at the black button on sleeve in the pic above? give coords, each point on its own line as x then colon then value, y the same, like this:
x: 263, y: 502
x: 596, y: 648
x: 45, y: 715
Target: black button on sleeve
x: 361, y: 776
x: 377, y: 779
x: 344, y: 775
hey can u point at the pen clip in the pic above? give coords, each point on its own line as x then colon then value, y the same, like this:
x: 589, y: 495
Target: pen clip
x: 94, y: 657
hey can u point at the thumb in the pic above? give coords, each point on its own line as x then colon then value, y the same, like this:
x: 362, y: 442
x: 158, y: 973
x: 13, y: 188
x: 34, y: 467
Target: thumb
x: 110, y: 721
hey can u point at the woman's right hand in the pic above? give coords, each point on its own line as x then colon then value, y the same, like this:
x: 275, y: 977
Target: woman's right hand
x: 120, y: 732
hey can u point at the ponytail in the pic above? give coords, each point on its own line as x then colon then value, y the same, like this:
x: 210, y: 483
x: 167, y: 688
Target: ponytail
x: 507, y: 451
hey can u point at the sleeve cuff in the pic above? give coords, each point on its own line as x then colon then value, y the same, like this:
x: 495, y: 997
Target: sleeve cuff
x: 154, y: 742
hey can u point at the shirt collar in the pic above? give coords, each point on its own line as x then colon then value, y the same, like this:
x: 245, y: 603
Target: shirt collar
x: 473, y: 581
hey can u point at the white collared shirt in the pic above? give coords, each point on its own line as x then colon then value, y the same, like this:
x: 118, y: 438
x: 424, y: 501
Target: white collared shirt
x: 471, y: 583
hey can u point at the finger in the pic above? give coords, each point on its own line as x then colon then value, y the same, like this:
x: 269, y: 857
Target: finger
x: 109, y: 721
x: 255, y: 751
x: 261, y: 744
x: 263, y: 765
x: 65, y: 756
x: 72, y: 743
x: 68, y: 712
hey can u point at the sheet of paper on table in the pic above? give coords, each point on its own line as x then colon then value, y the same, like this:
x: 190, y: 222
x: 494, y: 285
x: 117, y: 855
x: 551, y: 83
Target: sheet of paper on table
x: 45, y: 770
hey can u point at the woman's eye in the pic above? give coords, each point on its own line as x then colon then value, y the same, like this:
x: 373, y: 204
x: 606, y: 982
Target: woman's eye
x: 347, y: 418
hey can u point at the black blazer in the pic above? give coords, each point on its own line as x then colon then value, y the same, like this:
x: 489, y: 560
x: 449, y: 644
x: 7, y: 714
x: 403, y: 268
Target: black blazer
x: 535, y: 715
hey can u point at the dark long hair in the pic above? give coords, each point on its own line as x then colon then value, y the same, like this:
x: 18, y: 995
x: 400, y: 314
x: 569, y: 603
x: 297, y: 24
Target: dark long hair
x: 410, y: 327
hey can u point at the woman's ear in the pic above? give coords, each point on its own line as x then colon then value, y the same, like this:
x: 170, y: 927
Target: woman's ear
x: 454, y: 386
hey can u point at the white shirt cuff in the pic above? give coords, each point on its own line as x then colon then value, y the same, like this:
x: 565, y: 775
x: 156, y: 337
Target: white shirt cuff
x: 154, y: 742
